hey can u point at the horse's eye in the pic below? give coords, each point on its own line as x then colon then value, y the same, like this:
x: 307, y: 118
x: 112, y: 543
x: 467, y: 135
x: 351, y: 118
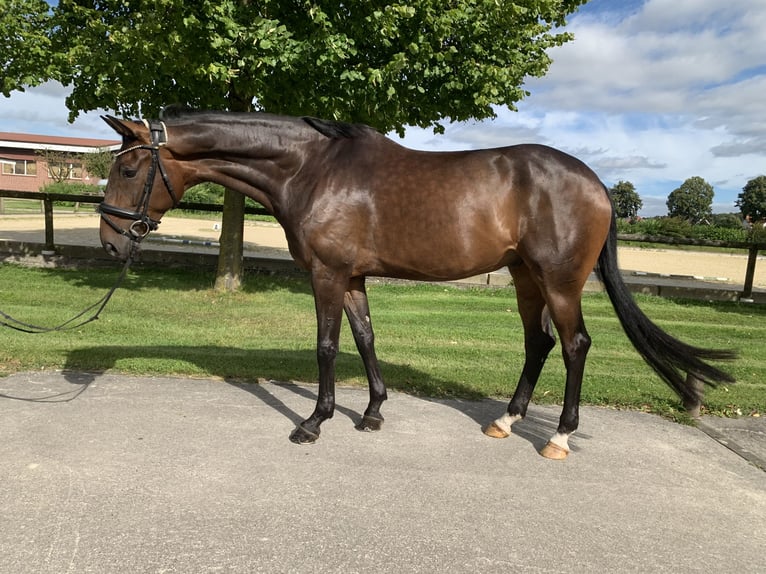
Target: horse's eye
x: 129, y: 173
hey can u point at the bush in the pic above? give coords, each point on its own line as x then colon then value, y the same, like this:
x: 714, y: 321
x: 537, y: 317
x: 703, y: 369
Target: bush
x: 70, y: 188
x: 676, y: 227
x: 73, y: 188
x: 668, y: 227
x: 728, y: 220
x: 205, y: 193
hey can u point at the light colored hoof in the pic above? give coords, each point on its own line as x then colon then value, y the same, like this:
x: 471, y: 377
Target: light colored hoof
x: 554, y: 452
x: 495, y: 431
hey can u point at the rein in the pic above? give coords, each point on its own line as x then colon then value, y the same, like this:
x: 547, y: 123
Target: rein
x: 74, y: 322
x: 140, y: 228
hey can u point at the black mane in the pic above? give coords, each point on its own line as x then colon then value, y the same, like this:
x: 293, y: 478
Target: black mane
x: 338, y: 130
x: 328, y: 128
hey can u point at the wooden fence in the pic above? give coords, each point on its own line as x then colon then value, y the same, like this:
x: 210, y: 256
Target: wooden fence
x: 48, y: 199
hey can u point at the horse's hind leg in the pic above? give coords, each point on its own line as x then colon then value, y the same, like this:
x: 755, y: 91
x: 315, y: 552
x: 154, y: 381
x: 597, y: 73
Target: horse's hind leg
x: 538, y: 342
x: 358, y: 313
x: 566, y: 312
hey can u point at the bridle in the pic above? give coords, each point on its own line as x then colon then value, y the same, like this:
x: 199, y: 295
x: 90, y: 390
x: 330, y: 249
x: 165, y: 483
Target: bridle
x: 142, y: 224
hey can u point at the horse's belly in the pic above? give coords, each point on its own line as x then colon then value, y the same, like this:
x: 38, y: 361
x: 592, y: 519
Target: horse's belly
x: 438, y: 261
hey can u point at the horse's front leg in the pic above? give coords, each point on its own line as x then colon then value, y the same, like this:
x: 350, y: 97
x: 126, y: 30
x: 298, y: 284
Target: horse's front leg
x: 358, y: 313
x: 328, y: 299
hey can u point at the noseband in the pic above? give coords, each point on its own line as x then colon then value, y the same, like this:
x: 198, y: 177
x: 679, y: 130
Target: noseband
x: 142, y: 223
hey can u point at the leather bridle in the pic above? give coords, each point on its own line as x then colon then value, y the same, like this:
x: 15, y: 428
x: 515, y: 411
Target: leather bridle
x: 142, y: 224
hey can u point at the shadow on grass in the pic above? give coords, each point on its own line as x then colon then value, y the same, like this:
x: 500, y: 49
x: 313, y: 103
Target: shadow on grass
x: 84, y: 365
x: 168, y: 280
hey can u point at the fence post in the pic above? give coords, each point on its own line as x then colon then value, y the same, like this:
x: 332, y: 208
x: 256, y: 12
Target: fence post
x: 752, y: 256
x: 48, y: 207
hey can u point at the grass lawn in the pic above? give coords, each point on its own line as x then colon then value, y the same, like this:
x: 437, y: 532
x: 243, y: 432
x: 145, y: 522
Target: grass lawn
x: 432, y: 340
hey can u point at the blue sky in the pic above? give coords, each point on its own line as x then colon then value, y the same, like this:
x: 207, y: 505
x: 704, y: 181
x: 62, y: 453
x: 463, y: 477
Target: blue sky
x: 650, y: 91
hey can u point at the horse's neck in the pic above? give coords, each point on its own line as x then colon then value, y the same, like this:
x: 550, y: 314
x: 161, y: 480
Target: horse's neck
x: 254, y: 158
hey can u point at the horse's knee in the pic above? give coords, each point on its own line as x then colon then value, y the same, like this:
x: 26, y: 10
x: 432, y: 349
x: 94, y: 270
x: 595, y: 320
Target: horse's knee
x: 327, y: 351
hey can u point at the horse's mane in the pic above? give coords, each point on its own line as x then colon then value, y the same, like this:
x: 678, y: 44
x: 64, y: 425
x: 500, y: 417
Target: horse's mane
x: 338, y: 130
x: 328, y: 128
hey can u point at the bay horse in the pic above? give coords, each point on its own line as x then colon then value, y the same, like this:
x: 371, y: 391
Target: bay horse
x: 354, y: 203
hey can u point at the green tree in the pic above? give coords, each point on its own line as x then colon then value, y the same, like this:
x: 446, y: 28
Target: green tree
x: 98, y: 163
x: 26, y: 58
x: 385, y: 64
x: 692, y: 201
x: 752, y: 200
x: 60, y: 164
x: 626, y: 201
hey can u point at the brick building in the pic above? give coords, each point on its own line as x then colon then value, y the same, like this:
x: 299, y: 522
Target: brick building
x: 22, y: 168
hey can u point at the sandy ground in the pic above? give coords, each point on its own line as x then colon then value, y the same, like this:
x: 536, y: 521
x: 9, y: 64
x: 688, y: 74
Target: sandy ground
x: 269, y: 239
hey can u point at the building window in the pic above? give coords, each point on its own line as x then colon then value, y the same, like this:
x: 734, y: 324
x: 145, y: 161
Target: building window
x: 18, y: 167
x: 59, y: 171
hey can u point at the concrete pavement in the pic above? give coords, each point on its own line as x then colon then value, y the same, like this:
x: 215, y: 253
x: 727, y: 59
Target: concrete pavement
x: 110, y: 473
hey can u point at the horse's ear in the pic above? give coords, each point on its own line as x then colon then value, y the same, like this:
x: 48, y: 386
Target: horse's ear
x: 126, y: 129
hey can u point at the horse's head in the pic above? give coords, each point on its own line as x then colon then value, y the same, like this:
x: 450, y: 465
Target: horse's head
x: 142, y: 186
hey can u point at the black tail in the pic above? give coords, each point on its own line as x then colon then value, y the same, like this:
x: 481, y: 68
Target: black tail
x: 669, y: 357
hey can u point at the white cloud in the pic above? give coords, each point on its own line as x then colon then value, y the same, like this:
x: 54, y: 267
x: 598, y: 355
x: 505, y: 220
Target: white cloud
x: 42, y: 110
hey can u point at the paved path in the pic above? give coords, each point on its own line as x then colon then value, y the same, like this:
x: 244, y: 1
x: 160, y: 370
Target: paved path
x: 115, y: 474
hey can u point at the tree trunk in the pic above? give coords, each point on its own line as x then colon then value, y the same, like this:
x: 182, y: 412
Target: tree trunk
x: 230, y: 255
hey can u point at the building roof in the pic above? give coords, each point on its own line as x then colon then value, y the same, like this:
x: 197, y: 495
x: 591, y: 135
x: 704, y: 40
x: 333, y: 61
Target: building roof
x: 57, y: 143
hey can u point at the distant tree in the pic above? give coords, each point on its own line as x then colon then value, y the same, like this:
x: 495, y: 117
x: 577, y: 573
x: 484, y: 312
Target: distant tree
x: 98, y: 163
x: 752, y: 200
x: 626, y: 201
x: 62, y: 165
x: 692, y: 201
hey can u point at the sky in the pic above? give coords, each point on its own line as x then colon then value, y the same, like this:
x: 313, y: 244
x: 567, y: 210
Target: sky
x: 650, y: 91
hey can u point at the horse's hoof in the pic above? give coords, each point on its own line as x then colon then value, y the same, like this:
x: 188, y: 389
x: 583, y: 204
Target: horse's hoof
x: 554, y: 452
x: 693, y: 408
x: 370, y: 424
x: 493, y: 430
x: 302, y: 436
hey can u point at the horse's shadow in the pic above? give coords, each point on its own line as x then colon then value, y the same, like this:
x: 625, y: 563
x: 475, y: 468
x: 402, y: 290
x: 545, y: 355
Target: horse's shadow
x: 85, y: 365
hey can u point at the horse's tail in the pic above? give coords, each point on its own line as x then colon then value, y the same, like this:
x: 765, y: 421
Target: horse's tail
x: 668, y: 356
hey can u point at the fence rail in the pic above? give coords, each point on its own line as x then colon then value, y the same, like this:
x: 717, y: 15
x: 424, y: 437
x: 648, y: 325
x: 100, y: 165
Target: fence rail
x: 48, y: 199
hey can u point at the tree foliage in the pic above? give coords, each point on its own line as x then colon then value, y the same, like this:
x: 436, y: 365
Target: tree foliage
x: 98, y: 163
x: 752, y: 200
x: 26, y: 58
x: 692, y: 201
x: 626, y: 200
x: 385, y: 64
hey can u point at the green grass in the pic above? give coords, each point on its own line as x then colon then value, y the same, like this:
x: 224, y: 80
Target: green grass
x: 13, y: 206
x: 432, y: 340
